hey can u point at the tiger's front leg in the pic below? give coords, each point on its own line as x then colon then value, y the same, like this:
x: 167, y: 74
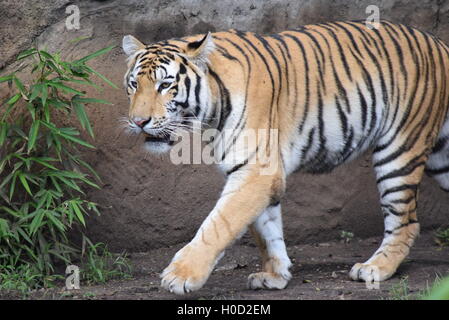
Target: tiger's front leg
x: 267, y: 230
x: 246, y: 194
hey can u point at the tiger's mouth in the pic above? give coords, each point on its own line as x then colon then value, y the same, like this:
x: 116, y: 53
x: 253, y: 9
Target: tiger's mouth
x: 158, y: 139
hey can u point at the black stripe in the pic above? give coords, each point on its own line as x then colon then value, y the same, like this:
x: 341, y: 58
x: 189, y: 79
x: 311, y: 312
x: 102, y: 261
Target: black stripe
x: 329, y: 28
x: 241, y: 122
x: 343, y: 119
x: 413, y: 187
x: 307, y: 81
x: 405, y: 170
x: 225, y: 103
x: 437, y: 171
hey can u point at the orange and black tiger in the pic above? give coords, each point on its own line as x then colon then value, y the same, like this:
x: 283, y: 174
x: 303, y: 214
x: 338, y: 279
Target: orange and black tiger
x: 331, y: 91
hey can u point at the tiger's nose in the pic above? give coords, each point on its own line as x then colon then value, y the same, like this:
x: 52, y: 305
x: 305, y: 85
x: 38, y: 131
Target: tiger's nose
x: 141, y: 122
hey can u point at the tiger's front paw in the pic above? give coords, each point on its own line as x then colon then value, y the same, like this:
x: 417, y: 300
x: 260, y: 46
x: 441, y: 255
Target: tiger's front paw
x: 187, y: 272
x: 371, y: 272
x: 268, y: 280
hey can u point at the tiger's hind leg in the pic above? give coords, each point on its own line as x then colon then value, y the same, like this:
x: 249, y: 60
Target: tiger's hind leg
x: 398, y: 178
x: 267, y: 231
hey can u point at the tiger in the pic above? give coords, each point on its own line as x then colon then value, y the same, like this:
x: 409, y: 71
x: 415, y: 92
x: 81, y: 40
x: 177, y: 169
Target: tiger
x: 332, y: 92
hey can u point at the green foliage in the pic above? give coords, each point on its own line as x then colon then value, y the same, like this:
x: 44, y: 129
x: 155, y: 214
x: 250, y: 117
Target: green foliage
x: 442, y: 237
x: 346, y: 236
x: 400, y: 290
x: 23, y: 277
x: 41, y: 172
x: 101, y: 265
x: 439, y: 290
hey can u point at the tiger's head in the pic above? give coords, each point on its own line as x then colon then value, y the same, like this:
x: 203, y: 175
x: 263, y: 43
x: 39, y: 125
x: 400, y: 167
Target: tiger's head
x: 167, y: 88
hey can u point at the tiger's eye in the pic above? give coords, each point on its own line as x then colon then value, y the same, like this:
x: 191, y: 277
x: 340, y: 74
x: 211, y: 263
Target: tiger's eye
x: 164, y: 85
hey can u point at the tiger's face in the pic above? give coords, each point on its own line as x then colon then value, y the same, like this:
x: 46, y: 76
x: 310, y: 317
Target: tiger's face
x: 166, y: 87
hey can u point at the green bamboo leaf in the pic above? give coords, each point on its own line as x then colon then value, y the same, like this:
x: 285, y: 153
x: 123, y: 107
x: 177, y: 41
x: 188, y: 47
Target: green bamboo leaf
x: 57, y: 103
x: 50, y: 126
x: 23, y: 179
x: 95, y: 54
x: 58, y: 255
x: 70, y: 184
x: 36, y: 223
x: 4, y: 227
x: 54, y: 68
x: 37, y: 88
x: 26, y: 53
x: 71, y: 174
x: 24, y: 235
x: 92, y: 184
x: 44, y: 163
x: 70, y: 131
x: 42, y: 200
x: 57, y: 144
x: 63, y: 87
x: 20, y: 86
x: 58, y: 224
x: 77, y: 71
x: 77, y: 175
x: 102, y: 77
x: 82, y: 116
x: 19, y: 131
x: 11, y: 212
x: 76, y: 140
x: 92, y: 100
x: 84, y: 82
x: 45, y: 54
x: 6, y: 180
x: 6, y: 78
x: 44, y: 94
x: 86, y: 165
x: 56, y: 184
x: 78, y: 212
x: 11, y: 101
x: 48, y: 159
x: 31, y: 108
x: 80, y: 38
x: 33, y: 135
x: 12, y: 187
x: 3, y: 133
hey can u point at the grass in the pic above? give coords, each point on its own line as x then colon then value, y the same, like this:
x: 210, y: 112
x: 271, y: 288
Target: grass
x: 442, y: 237
x: 100, y: 265
x: 346, y: 236
x: 402, y: 291
x: 19, y: 280
x: 97, y: 267
x: 439, y: 291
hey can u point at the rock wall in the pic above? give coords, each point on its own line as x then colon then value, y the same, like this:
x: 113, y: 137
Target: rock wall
x: 146, y: 201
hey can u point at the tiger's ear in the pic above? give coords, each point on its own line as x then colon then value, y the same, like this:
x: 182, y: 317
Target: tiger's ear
x: 198, y: 51
x: 131, y: 45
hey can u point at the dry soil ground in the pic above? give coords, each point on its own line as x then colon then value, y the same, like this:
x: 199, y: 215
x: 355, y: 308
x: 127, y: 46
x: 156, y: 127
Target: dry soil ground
x: 320, y: 271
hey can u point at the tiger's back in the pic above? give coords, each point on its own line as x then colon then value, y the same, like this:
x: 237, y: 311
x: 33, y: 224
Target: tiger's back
x: 336, y: 89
